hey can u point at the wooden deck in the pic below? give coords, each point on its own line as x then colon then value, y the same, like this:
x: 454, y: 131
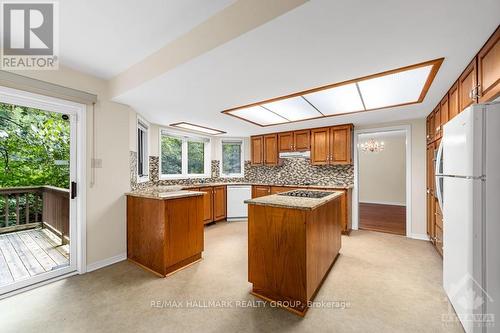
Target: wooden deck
x: 28, y: 253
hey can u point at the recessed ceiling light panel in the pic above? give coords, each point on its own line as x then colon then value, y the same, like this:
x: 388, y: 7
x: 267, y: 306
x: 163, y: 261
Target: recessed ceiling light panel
x: 394, y: 89
x: 293, y: 109
x: 339, y: 99
x: 259, y: 115
x: 197, y: 128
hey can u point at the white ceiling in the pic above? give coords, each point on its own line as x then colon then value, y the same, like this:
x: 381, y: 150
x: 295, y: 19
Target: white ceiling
x: 318, y: 43
x: 104, y: 38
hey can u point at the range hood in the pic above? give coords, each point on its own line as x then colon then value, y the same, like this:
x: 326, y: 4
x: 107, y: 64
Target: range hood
x: 296, y: 154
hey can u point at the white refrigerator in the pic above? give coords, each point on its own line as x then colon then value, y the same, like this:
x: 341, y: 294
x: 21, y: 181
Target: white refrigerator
x: 468, y: 191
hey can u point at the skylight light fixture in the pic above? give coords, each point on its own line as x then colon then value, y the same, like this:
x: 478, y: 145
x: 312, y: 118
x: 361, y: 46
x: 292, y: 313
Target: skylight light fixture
x: 394, y: 89
x: 397, y: 87
x: 197, y: 128
x: 340, y: 99
x: 293, y: 109
x: 259, y: 115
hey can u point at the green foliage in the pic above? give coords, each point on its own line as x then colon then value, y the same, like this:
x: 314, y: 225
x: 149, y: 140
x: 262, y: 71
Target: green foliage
x: 34, y: 147
x: 196, y: 161
x: 231, y: 154
x: 171, y: 155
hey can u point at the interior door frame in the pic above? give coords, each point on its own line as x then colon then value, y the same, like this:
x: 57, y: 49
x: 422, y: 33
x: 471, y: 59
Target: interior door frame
x: 355, y: 194
x: 77, y: 113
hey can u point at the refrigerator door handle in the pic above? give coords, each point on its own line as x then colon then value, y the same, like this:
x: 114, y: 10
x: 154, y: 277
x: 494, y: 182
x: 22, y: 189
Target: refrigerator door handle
x: 438, y: 179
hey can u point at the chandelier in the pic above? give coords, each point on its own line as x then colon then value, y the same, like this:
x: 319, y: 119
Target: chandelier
x: 372, y: 146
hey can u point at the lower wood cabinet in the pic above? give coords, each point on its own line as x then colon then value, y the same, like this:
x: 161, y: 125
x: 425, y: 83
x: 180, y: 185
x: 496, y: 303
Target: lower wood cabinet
x: 214, y: 203
x: 219, y: 202
x: 260, y: 190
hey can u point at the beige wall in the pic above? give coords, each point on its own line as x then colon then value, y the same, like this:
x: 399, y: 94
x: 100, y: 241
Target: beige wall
x: 382, y: 175
x: 418, y: 153
x: 106, y: 218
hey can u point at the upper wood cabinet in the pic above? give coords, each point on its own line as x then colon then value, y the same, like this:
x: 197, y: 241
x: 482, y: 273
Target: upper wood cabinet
x: 488, y: 69
x: 271, y: 149
x: 294, y: 141
x: 437, y: 122
x: 257, y: 150
x: 467, y: 85
x: 219, y: 202
x: 444, y: 106
x: 341, y: 144
x: 430, y: 127
x: 320, y: 146
x: 331, y: 145
x: 453, y: 104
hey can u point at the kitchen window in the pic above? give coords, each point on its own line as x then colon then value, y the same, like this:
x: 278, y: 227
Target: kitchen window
x: 184, y: 156
x: 142, y: 151
x: 232, y: 164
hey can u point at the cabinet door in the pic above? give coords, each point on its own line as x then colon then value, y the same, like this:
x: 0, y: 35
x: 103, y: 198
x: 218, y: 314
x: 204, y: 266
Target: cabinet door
x: 260, y: 191
x: 285, y: 141
x: 302, y: 140
x: 488, y: 69
x: 437, y: 122
x: 320, y: 146
x: 428, y: 129
x: 207, y: 204
x: 430, y: 214
x: 257, y: 150
x: 219, y: 203
x: 432, y: 127
x: 453, y: 104
x: 430, y: 165
x: 341, y: 139
x: 444, y: 106
x: 466, y: 84
x: 271, y: 149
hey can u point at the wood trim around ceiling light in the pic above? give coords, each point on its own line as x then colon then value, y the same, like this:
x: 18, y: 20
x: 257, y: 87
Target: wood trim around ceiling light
x: 436, y: 64
x: 188, y: 129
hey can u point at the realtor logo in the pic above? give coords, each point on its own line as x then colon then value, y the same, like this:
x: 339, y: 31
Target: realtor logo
x: 29, y: 35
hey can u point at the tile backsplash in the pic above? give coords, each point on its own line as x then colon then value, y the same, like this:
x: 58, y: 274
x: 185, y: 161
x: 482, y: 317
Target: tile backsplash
x: 292, y: 171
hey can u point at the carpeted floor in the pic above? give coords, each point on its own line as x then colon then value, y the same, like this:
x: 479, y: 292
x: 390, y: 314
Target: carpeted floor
x: 387, y: 283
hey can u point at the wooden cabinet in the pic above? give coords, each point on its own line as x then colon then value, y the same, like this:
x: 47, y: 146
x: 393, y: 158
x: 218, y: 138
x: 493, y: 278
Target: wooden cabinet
x: 340, y: 147
x: 294, y: 141
x: 257, y: 150
x: 488, y: 69
x: 430, y: 167
x: 430, y: 215
x: 208, y: 213
x: 164, y: 235
x: 444, y: 108
x: 453, y: 102
x: 271, y: 149
x: 437, y: 122
x: 331, y: 145
x: 219, y: 202
x: 467, y: 85
x: 281, y: 189
x: 320, y: 146
x: 260, y: 191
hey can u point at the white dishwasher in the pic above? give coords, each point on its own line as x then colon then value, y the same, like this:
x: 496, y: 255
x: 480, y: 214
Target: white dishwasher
x: 236, y: 195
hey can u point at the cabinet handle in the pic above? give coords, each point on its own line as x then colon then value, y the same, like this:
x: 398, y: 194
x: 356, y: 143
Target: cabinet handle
x: 474, y: 93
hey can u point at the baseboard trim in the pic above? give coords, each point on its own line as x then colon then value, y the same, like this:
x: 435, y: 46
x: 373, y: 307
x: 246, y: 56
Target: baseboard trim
x: 383, y: 203
x: 106, y: 262
x: 424, y: 237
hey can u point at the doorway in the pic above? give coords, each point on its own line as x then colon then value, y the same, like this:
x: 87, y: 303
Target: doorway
x: 382, y: 181
x: 40, y: 203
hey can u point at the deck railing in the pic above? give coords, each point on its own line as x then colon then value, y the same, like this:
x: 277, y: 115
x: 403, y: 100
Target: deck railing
x: 35, y: 206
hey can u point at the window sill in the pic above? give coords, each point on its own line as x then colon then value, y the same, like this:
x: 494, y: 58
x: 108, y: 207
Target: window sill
x: 174, y: 177
x: 232, y: 176
x: 142, y: 179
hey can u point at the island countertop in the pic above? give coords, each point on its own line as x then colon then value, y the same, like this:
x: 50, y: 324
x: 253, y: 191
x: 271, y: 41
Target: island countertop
x: 284, y: 201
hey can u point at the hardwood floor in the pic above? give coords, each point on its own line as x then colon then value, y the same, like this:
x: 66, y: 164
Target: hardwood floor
x: 382, y: 218
x: 24, y: 254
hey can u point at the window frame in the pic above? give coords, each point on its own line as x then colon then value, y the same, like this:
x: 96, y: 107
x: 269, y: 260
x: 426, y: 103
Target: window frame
x: 144, y: 126
x: 242, y: 158
x: 207, y: 159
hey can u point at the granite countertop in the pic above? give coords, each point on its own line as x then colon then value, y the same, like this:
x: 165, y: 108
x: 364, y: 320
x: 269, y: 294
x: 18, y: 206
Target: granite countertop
x: 164, y: 193
x: 283, y: 201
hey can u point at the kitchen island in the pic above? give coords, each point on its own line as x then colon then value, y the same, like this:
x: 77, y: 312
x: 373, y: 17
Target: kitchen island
x: 292, y: 244
x: 164, y: 229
